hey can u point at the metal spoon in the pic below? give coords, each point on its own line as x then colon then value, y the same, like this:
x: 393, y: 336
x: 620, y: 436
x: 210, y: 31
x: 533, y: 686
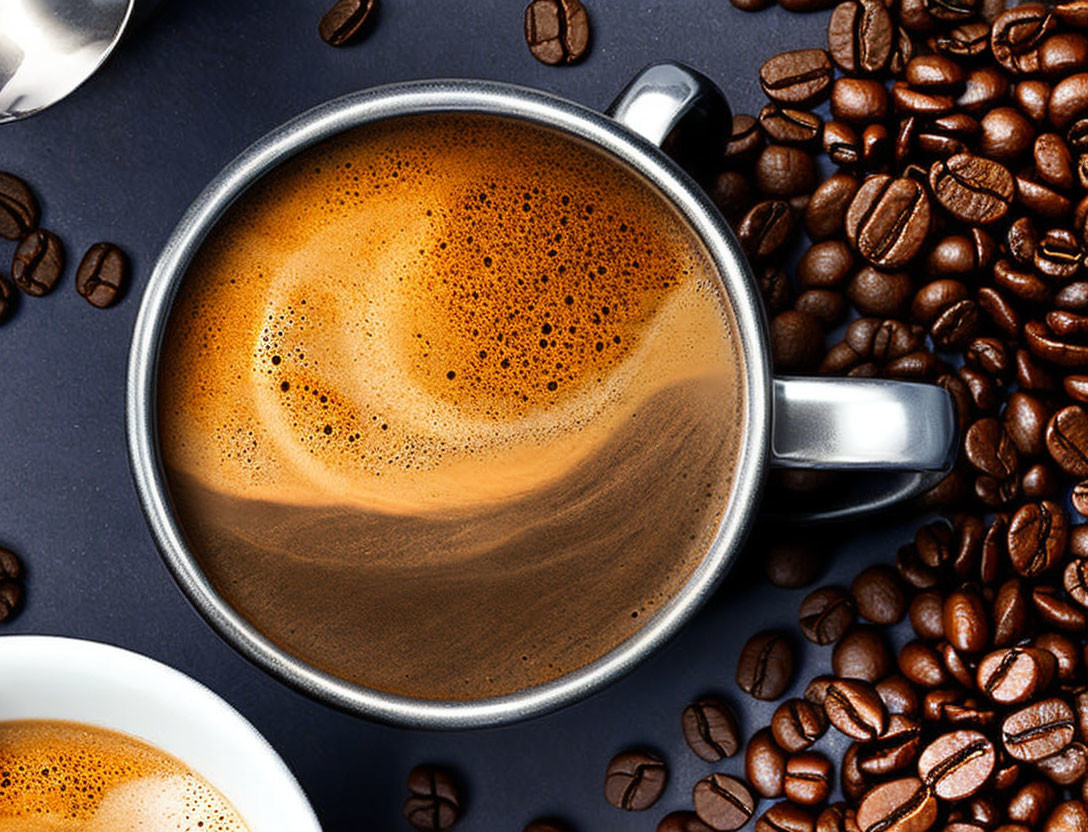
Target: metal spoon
x: 50, y: 47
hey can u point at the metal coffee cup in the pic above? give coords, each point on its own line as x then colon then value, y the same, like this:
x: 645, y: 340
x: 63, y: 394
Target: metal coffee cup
x: 904, y: 432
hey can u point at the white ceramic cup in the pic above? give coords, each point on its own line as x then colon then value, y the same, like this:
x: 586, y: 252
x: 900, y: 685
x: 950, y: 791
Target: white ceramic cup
x: 47, y: 677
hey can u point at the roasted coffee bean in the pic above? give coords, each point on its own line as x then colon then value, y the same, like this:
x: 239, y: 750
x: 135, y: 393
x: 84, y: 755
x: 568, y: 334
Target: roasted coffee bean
x: 751, y: 5
x: 765, y: 228
x: 808, y: 778
x: 893, y: 750
x: 745, y: 140
x: 1032, y: 803
x: 935, y: 297
x: 926, y: 614
x: 784, y: 171
x: 934, y: 72
x: 1066, y: 767
x: 905, y: 805
x: 1039, y: 730
x: 1057, y: 611
x: 858, y: 100
x: 765, y: 666
x: 898, y: 696
x: 797, y: 341
x: 826, y: 614
x: 907, y: 101
x: 1044, y: 346
x: 956, y: 665
x: 1031, y: 97
x: 1071, y: 816
x: 879, y: 293
x: 39, y: 262
x: 854, y: 781
x: 765, y: 764
x: 841, y: 144
x: 888, y: 220
x: 682, y: 822
x: 826, y: 210
x: 1067, y: 440
x: 1075, y: 580
x: 825, y: 265
x: 1001, y: 314
x: 1037, y: 537
x: 965, y: 624
x: 11, y: 584
x: 989, y: 355
x: 860, y: 36
x: 710, y: 728
x: 786, y: 817
x: 952, y: 256
x: 19, y: 210
x: 1031, y: 375
x: 1015, y: 674
x: 434, y: 803
x: 1058, y: 256
x: 1065, y: 323
x: 1053, y: 161
x: 790, y: 126
x: 1025, y: 420
x: 856, y: 709
x: 551, y: 825
x: 732, y: 193
x: 1068, y: 101
x: 1076, y: 387
x: 1006, y: 134
x: 634, y: 780
x: 1039, y: 482
x: 557, y: 31
x: 1022, y: 283
x: 955, y: 326
x: 922, y: 665
x: 973, y: 189
x: 102, y: 275
x: 862, y: 654
x: 958, y: 764
x: 989, y: 449
x: 1065, y: 653
x: 1041, y: 199
x: 1017, y: 35
x: 792, y: 562
x: 1063, y: 54
x: 7, y: 299
x: 797, y: 724
x: 1010, y: 612
x: 802, y: 76
x: 344, y: 21
x: 723, y: 802
x: 878, y: 595
x: 967, y: 41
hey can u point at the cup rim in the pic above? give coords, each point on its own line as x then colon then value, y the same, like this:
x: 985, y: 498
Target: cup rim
x: 398, y: 100
x: 121, y: 690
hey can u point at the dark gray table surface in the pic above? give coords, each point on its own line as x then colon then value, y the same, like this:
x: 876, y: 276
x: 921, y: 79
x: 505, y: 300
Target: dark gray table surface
x: 120, y: 160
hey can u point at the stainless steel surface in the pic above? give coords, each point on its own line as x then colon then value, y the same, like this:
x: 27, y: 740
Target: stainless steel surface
x: 659, y: 97
x: 903, y: 431
x: 50, y: 47
x: 391, y: 102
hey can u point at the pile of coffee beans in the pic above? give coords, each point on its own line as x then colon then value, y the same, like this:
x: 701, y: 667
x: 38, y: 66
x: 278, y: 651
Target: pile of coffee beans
x: 39, y: 255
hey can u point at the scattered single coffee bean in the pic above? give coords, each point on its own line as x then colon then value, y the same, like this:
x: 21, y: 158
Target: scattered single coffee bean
x: 102, y: 275
x: 765, y: 764
x: 557, y: 31
x: 797, y: 724
x: 765, y: 667
x: 39, y: 262
x: 878, y: 595
x: 826, y: 614
x: 345, y: 21
x: 710, y: 728
x: 19, y: 210
x: 862, y: 654
x: 800, y: 77
x: 855, y: 708
x: 434, y: 803
x: 635, y: 780
x: 723, y: 802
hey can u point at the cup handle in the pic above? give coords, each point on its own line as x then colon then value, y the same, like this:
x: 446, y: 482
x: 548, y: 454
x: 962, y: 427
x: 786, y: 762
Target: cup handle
x: 677, y: 109
x: 904, y: 433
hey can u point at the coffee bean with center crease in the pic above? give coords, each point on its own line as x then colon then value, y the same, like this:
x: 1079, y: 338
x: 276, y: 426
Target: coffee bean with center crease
x: 1075, y: 581
x: 1017, y: 35
x: 102, y: 275
x: 808, y: 778
x: 765, y: 229
x: 802, y: 76
x: 1039, y: 730
x: 19, y: 210
x: 1014, y: 674
x: 796, y: 724
x: 855, y: 708
x: 710, y: 728
x: 723, y: 802
x: 826, y: 210
x: 765, y: 666
x: 860, y: 36
x: 682, y: 822
x: 893, y: 750
x: 39, y: 263
x: 967, y: 41
x: 1037, y: 536
x: 434, y: 804
x: 1043, y: 345
x: 344, y: 21
x: 904, y: 805
x: 790, y: 126
x: 634, y: 780
x: 958, y: 764
x: 1066, y: 767
x: 765, y: 763
x: 826, y: 614
x: 1067, y: 440
x: 973, y: 189
x: 888, y: 220
x: 878, y: 595
x: 557, y: 31
x: 965, y: 621
x: 744, y: 141
x: 786, y: 817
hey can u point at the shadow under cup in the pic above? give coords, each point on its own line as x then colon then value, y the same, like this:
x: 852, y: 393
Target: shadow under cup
x: 450, y: 405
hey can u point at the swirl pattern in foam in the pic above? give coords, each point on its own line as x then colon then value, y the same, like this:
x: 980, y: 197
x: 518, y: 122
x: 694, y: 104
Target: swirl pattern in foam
x: 413, y: 344
x: 67, y: 776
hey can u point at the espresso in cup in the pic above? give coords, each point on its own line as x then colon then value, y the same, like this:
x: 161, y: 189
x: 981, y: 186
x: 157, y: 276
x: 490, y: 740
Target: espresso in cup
x: 58, y: 776
x: 450, y: 405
